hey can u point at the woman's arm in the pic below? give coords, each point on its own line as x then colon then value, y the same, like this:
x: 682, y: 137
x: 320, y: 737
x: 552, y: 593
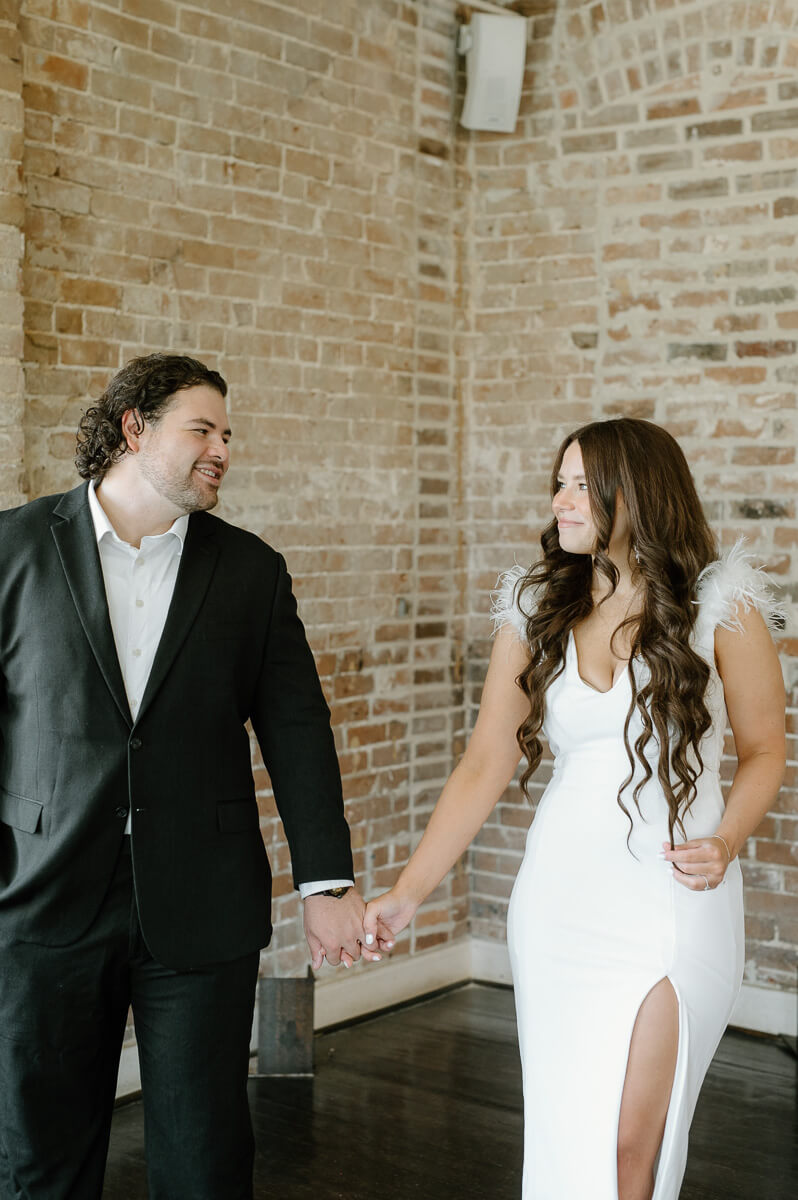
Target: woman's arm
x: 754, y: 689
x: 470, y: 794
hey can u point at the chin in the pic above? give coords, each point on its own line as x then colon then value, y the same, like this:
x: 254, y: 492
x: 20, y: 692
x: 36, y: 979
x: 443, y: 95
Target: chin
x: 573, y: 545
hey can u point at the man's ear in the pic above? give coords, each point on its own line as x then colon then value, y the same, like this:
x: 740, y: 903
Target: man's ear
x: 132, y: 429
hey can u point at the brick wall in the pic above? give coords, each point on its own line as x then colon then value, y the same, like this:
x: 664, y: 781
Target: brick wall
x: 410, y: 317
x: 270, y: 187
x: 12, y: 488
x: 634, y: 252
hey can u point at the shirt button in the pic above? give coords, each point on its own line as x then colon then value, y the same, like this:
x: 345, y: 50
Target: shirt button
x: 135, y: 743
x: 121, y: 812
x: 137, y: 654
x: 139, y: 603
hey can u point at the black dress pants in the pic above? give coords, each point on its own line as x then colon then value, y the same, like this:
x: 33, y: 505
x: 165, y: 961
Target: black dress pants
x: 62, y: 1021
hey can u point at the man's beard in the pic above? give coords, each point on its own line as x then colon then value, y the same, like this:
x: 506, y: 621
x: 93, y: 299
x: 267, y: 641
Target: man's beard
x: 185, y: 492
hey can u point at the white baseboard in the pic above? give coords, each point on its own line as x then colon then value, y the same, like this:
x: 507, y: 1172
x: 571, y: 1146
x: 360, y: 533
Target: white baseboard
x: 371, y: 987
x: 343, y: 996
x: 128, y: 1081
x: 490, y: 962
x: 766, y: 1010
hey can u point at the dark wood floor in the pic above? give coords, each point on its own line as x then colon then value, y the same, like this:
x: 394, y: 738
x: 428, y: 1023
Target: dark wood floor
x: 425, y: 1103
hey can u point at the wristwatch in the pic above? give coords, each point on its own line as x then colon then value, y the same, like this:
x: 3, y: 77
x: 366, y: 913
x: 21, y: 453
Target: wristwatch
x: 336, y: 893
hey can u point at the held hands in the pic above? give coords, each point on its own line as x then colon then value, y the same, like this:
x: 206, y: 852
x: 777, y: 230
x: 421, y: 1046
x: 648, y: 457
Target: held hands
x: 386, y: 916
x: 342, y: 931
x: 334, y: 930
x: 700, y: 864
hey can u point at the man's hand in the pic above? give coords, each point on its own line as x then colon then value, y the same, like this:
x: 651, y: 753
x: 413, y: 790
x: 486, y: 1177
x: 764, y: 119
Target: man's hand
x: 334, y: 929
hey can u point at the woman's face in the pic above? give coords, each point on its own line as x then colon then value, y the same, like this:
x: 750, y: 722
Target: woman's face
x: 571, y: 506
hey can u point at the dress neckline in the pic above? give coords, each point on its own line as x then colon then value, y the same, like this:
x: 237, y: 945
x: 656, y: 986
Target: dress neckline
x: 598, y: 691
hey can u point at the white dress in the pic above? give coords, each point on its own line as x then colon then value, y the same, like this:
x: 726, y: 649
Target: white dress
x: 594, y: 924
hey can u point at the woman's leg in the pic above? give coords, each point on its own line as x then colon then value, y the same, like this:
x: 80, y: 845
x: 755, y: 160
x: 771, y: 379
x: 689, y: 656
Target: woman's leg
x: 647, y: 1091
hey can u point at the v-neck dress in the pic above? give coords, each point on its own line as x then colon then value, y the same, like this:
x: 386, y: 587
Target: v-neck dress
x: 596, y: 918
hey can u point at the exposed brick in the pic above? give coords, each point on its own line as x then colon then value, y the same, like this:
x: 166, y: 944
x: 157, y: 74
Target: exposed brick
x: 407, y: 313
x: 785, y: 206
x: 699, y: 189
x: 710, y: 351
x: 763, y: 510
x: 768, y: 122
x: 774, y: 295
x: 589, y: 143
x: 734, y: 152
x: 674, y: 160
x: 666, y: 110
x: 710, y: 129
x: 775, y: 349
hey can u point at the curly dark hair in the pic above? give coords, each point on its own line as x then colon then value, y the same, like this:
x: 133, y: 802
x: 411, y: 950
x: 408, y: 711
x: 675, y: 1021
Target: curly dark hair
x: 673, y: 544
x: 147, y: 384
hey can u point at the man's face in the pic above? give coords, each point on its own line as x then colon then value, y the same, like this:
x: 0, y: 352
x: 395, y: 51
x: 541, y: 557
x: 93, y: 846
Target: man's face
x: 184, y: 456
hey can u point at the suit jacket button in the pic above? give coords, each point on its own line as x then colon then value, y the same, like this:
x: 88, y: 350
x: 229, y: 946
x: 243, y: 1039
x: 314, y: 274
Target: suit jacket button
x: 135, y: 743
x: 121, y: 812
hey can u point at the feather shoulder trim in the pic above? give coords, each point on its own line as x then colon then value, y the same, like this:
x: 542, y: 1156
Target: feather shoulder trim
x: 732, y: 583
x: 505, y: 608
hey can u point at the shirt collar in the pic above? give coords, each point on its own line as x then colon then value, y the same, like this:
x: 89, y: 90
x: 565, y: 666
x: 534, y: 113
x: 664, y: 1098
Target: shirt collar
x: 103, y: 527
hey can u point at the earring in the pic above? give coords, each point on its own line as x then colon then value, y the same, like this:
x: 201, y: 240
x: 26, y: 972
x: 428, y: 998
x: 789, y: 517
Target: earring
x: 636, y: 554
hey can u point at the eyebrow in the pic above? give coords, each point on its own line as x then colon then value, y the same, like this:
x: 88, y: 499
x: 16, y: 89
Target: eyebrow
x: 582, y: 477
x: 208, y: 424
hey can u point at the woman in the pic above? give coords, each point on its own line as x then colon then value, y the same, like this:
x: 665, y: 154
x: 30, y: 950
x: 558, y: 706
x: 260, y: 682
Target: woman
x: 626, y: 645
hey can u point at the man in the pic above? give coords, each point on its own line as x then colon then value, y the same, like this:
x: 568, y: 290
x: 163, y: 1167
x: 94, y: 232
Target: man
x: 138, y: 634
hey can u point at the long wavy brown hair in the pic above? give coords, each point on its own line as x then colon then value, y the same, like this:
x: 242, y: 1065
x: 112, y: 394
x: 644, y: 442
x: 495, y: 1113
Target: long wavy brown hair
x: 672, y: 543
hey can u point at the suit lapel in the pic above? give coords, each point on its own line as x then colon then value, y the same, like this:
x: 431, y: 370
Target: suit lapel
x: 76, y: 543
x: 197, y: 564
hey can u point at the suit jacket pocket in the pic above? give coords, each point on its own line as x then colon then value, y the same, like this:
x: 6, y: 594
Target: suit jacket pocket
x: 20, y: 812
x: 238, y: 816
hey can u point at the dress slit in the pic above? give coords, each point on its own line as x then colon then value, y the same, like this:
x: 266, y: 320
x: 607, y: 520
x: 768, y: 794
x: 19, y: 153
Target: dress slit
x: 663, y: 1169
x: 673, y: 1150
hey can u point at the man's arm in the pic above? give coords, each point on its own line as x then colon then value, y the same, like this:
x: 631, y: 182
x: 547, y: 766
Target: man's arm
x: 292, y: 724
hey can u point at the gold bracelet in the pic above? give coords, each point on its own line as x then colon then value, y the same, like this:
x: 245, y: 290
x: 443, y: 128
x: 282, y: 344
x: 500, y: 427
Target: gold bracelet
x: 725, y: 843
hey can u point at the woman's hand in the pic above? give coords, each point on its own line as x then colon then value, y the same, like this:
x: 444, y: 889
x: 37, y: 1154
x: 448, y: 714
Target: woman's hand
x: 700, y: 864
x: 386, y: 916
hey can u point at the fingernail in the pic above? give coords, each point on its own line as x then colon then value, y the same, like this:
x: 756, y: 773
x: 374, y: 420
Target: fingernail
x: 346, y: 964
x: 369, y: 938
x: 377, y: 958
x: 389, y: 944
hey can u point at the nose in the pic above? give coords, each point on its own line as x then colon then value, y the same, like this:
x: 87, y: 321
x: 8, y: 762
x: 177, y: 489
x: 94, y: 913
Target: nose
x: 220, y: 451
x: 561, y: 501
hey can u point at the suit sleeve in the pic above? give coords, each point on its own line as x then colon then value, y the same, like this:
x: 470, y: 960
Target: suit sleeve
x: 292, y: 724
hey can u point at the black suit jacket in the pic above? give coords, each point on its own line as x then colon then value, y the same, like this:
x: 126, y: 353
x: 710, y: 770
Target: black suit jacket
x: 73, y: 762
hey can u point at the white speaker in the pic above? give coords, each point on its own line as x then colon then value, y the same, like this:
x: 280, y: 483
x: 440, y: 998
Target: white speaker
x: 495, y: 52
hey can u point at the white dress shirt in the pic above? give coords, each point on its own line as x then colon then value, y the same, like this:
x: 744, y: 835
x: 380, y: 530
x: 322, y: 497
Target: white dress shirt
x: 139, y: 584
